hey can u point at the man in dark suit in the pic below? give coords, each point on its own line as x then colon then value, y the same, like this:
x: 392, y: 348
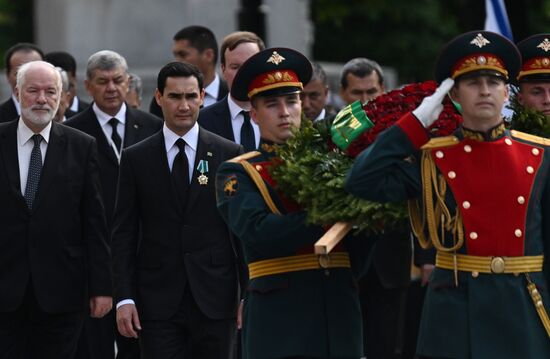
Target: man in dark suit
x: 115, y: 126
x: 16, y: 56
x: 68, y: 63
x: 175, y: 263
x: 315, y: 95
x: 197, y: 45
x: 54, y: 259
x: 229, y: 118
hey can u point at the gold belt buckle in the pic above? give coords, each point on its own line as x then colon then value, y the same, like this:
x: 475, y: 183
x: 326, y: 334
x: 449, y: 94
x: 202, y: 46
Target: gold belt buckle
x: 324, y: 260
x: 497, y: 265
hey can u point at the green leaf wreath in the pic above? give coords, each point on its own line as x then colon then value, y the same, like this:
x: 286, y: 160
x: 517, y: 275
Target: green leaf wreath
x: 313, y: 175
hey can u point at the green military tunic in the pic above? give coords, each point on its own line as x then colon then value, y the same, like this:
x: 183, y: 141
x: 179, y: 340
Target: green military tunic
x: 312, y: 313
x: 499, y: 184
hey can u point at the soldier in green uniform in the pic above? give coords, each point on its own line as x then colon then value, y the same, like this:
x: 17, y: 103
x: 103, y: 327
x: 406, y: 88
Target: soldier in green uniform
x: 534, y: 77
x: 298, y: 304
x: 482, y: 198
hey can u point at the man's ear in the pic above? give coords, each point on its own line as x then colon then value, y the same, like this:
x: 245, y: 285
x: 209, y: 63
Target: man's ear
x: 209, y: 54
x: 158, y: 96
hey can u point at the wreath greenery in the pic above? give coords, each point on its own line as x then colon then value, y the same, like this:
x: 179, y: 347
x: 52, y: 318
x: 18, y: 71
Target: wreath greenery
x: 526, y: 119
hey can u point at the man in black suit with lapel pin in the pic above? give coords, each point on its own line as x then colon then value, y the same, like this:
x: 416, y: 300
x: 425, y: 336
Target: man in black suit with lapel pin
x: 228, y: 117
x: 173, y: 258
x: 54, y: 258
x: 107, y: 82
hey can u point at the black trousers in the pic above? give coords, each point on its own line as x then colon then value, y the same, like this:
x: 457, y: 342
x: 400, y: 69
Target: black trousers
x: 31, y: 333
x: 188, y: 334
x: 97, y: 340
x: 383, y: 313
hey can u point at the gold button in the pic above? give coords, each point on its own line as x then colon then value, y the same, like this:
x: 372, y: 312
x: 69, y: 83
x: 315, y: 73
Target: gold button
x: 497, y: 265
x: 535, y: 151
x: 521, y: 200
x: 467, y: 148
x: 465, y: 204
x: 508, y: 142
x: 530, y: 170
x: 439, y: 154
x: 473, y: 235
x: 475, y: 274
x: 452, y: 174
x: 518, y: 232
x: 324, y: 260
x: 258, y: 167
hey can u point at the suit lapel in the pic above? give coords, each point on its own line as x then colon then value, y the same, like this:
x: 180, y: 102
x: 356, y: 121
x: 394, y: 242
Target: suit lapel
x: 56, y: 157
x: 160, y: 169
x: 8, y: 146
x: 131, y: 129
x: 94, y: 129
x: 204, y: 152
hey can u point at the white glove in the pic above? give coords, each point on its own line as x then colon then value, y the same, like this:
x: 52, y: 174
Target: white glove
x: 431, y: 106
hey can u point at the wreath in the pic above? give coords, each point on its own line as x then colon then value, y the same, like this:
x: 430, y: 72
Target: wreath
x: 312, y: 168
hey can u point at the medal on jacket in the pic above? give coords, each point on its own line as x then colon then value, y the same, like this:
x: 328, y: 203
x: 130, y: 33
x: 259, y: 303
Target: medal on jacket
x: 203, y: 168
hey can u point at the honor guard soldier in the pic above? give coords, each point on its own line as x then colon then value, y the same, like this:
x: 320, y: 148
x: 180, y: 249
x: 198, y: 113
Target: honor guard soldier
x: 298, y: 304
x: 534, y: 77
x: 482, y: 198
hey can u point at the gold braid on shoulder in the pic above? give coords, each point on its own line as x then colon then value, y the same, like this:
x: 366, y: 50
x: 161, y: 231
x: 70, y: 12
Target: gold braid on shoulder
x: 434, y: 212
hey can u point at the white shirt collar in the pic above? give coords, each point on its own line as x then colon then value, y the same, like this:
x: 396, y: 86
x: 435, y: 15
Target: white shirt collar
x: 16, y: 103
x: 104, y: 118
x: 213, y: 88
x: 25, y: 133
x: 321, y: 116
x: 234, y: 109
x: 191, y: 138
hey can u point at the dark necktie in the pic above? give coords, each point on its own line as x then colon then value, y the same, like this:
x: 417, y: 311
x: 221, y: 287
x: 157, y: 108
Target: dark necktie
x: 114, y: 135
x: 180, y: 172
x: 247, y: 133
x: 35, y: 168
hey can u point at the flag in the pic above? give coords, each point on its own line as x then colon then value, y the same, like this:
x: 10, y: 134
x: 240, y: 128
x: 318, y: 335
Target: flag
x: 496, y: 19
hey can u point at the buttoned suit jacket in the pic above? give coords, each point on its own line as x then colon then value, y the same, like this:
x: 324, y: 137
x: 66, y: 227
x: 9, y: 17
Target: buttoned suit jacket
x: 139, y: 125
x: 8, y: 111
x: 180, y: 244
x: 60, y: 245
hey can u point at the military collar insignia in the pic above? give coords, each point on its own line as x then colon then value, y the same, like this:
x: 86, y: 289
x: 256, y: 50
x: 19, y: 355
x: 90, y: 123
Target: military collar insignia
x: 275, y: 58
x: 493, y: 134
x: 545, y: 45
x: 480, y: 41
x: 268, y: 147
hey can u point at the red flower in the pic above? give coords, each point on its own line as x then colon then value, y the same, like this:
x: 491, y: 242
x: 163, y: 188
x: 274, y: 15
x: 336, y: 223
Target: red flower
x: 387, y: 109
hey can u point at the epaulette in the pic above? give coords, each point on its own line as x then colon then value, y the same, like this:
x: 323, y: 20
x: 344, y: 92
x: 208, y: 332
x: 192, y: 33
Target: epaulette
x: 439, y: 142
x: 531, y: 138
x: 245, y: 156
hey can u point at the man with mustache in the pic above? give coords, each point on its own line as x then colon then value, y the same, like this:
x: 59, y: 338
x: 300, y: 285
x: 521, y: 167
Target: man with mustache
x: 54, y: 259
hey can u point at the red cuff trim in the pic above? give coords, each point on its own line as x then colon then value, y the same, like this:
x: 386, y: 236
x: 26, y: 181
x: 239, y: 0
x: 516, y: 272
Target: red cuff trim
x: 414, y: 130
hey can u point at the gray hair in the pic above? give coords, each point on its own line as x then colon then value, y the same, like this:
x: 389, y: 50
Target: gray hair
x: 64, y: 79
x: 23, y: 69
x: 105, y: 60
x: 136, y: 83
x: 360, y: 67
x: 318, y: 73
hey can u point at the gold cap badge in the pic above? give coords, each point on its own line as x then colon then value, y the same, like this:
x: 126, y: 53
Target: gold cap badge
x: 480, y: 41
x: 275, y: 58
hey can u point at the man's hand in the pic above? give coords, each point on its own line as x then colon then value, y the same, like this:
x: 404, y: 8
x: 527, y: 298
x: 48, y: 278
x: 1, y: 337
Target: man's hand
x: 100, y: 306
x: 431, y: 106
x: 425, y: 272
x: 127, y: 320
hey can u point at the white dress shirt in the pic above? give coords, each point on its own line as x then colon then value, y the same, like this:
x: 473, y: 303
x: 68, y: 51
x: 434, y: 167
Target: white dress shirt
x: 321, y: 116
x: 191, y: 139
x: 104, y: 118
x: 237, y: 120
x: 211, y: 92
x: 24, y: 149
